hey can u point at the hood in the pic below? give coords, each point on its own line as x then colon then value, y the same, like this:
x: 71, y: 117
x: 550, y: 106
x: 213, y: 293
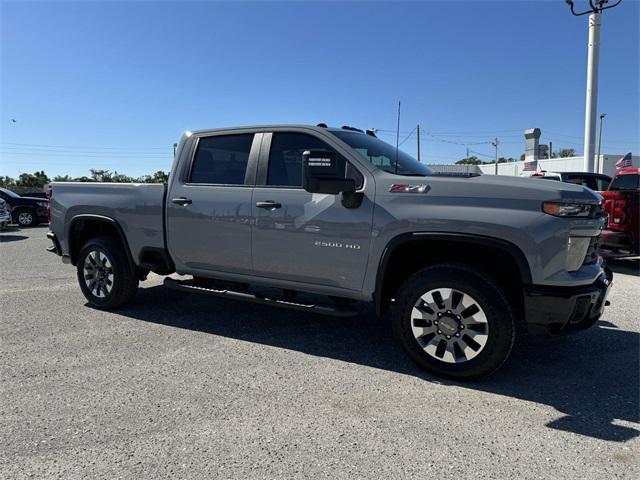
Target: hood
x: 497, y: 187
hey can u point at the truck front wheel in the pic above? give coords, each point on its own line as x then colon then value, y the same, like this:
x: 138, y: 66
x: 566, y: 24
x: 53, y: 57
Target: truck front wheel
x: 454, y: 321
x: 105, y: 276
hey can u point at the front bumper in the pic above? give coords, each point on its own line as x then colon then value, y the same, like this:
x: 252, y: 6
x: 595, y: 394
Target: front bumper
x: 565, y: 309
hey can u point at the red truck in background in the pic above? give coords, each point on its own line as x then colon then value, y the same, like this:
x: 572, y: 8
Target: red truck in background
x: 622, y: 204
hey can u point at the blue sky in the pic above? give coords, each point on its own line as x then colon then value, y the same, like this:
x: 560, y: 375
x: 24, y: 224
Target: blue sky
x: 113, y: 84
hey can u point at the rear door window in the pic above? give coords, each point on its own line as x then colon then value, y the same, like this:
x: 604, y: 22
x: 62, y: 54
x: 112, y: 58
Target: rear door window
x: 221, y: 160
x: 584, y: 180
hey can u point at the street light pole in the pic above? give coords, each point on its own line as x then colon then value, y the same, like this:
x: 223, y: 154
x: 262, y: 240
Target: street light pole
x: 592, y: 90
x: 598, y: 159
x: 595, y: 20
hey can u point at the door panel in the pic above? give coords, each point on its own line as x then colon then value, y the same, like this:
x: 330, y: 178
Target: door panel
x: 305, y: 237
x: 214, y: 231
x: 311, y: 238
x: 209, y: 224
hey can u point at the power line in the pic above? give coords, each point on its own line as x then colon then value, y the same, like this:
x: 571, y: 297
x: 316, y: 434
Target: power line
x: 580, y: 138
x: 407, y: 137
x: 78, y: 146
x: 94, y: 155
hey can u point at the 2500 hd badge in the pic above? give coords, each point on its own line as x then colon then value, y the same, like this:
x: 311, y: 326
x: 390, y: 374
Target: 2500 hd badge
x: 322, y: 243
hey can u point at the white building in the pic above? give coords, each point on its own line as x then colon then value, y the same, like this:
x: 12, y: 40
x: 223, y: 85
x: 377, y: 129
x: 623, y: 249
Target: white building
x: 533, y: 151
x: 605, y: 164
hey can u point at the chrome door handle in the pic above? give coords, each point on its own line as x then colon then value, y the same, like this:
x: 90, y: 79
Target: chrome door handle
x: 269, y: 205
x: 182, y: 201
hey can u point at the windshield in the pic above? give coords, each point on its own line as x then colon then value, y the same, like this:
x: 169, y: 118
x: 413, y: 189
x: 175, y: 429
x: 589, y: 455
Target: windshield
x: 10, y: 193
x: 383, y: 155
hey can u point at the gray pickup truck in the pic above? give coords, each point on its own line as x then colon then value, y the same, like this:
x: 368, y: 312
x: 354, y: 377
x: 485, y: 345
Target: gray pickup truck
x: 326, y: 217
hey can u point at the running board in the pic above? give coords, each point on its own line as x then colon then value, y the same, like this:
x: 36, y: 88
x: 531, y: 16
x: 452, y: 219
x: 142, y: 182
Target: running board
x: 188, y: 286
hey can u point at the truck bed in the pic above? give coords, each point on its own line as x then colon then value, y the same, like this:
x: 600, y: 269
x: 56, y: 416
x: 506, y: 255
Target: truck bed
x: 136, y: 207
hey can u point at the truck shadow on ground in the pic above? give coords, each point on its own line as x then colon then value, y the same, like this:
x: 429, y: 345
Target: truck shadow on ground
x: 591, y: 377
x: 11, y: 238
x: 628, y: 266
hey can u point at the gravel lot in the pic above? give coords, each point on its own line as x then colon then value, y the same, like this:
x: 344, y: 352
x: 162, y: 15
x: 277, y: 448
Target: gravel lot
x: 184, y: 386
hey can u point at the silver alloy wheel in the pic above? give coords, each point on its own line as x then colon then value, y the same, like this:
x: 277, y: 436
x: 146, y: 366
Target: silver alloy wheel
x: 25, y: 218
x: 98, y: 273
x: 449, y: 325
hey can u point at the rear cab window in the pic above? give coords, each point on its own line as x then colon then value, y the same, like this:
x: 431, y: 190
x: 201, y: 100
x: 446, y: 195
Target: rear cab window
x: 625, y: 182
x: 221, y: 160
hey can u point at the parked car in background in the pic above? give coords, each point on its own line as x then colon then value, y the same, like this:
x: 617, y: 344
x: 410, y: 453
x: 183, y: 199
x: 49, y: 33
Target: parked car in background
x: 42, y: 195
x: 622, y: 202
x: 25, y: 211
x: 595, y: 181
x: 5, y: 215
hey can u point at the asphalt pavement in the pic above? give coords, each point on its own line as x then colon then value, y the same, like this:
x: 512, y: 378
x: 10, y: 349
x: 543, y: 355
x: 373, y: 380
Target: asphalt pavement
x: 185, y: 386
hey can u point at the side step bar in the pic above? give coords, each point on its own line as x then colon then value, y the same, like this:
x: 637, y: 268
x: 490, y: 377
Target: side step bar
x: 187, y: 286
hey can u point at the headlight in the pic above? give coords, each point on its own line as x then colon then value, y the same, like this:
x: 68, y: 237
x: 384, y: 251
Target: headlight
x: 42, y: 204
x: 567, y: 209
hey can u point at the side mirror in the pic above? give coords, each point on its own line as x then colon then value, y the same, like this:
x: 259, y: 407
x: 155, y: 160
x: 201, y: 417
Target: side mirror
x: 320, y: 173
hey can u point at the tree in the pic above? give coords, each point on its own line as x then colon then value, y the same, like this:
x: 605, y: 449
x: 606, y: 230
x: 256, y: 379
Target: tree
x: 158, y: 177
x: 7, y: 182
x: 62, y: 178
x: 567, y: 152
x: 522, y: 157
x: 469, y: 161
x: 35, y: 180
x: 100, y: 175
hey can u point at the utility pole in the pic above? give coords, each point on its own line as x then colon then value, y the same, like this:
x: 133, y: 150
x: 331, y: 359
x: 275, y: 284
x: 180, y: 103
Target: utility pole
x: 418, y: 136
x: 495, y: 144
x: 598, y: 160
x: 550, y: 150
x: 592, y: 90
x: 467, y: 153
x: 593, y: 58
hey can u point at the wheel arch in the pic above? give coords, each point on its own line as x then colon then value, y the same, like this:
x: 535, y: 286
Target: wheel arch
x: 84, y: 227
x: 387, y: 284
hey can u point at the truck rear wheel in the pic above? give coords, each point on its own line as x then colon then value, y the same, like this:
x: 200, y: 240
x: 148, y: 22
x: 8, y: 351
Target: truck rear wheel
x: 454, y: 321
x: 105, y: 276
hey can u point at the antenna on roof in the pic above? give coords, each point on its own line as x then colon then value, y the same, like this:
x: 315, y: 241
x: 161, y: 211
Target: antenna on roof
x: 398, y: 137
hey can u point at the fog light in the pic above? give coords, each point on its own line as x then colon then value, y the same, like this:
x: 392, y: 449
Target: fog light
x: 576, y: 251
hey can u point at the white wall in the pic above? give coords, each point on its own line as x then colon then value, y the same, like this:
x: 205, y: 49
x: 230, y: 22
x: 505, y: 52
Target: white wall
x: 569, y: 164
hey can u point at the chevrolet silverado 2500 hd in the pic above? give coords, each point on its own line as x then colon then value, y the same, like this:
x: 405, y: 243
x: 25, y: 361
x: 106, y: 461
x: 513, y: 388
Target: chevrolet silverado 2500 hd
x: 464, y: 264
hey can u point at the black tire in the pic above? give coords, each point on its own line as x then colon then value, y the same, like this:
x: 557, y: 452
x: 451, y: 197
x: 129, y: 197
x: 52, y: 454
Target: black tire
x: 25, y: 217
x: 124, y: 283
x: 500, y: 322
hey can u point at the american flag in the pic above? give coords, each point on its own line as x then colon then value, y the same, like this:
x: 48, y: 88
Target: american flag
x: 531, y: 166
x: 624, y: 162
